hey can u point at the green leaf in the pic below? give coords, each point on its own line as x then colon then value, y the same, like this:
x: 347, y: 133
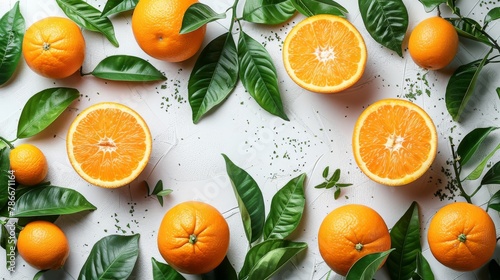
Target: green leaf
x: 492, y: 15
x: 223, y: 271
x: 430, y: 5
x: 50, y: 200
x: 386, y: 21
x: 405, y: 239
x: 268, y: 11
x: 250, y: 200
x: 158, y: 187
x: 43, y: 108
x: 214, y: 75
x: 266, y: 258
x: 39, y: 274
x: 471, y: 142
x: 336, y: 176
x: 336, y: 194
x: 461, y: 86
x: 366, y: 267
x: 11, y: 39
x: 470, y: 29
x: 286, y: 210
x: 321, y: 186
x: 259, y: 76
x: 118, y: 6
x: 6, y: 177
x: 127, y: 68
x: 163, y: 271
x: 494, y: 202
x: 494, y: 269
x: 164, y: 192
x: 112, y: 257
x: 492, y: 177
x: 88, y: 17
x: 498, y: 92
x: 424, y: 270
x: 198, y: 15
x: 476, y: 173
x: 326, y: 171
x: 315, y: 7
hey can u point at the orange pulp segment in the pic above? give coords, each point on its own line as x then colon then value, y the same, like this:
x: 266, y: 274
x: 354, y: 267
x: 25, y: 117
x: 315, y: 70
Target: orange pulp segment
x: 109, y: 144
x: 394, y: 142
x: 324, y: 54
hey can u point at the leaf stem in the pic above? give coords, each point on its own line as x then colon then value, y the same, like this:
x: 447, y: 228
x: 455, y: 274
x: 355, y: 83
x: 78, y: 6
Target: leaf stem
x: 9, y: 143
x: 456, y: 169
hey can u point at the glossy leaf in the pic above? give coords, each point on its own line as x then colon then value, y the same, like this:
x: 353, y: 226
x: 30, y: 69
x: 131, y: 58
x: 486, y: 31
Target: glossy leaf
x: 163, y: 271
x: 11, y: 39
x: 430, y: 5
x: 223, y: 271
x: 461, y: 86
x: 325, y: 172
x: 492, y: 176
x: 470, y: 29
x: 88, y: 17
x: 266, y: 258
x: 498, y: 92
x: 315, y: 7
x: 494, y: 202
x: 250, y: 200
x: 259, y: 76
x: 6, y: 211
x: 386, y: 21
x: 112, y: 257
x: 214, y: 75
x: 471, y: 142
x: 476, y: 173
x: 366, y: 267
x: 118, y: 6
x: 198, y: 15
x: 492, y: 15
x: 405, y: 239
x: 43, y: 108
x: 50, y: 200
x: 6, y: 178
x: 127, y: 68
x: 268, y: 11
x: 286, y: 210
x: 424, y: 270
x: 39, y: 274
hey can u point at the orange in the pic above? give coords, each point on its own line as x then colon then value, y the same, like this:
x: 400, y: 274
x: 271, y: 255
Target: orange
x: 433, y: 43
x: 43, y: 245
x: 193, y: 237
x: 156, y: 25
x: 109, y: 144
x: 350, y: 232
x: 54, y: 47
x: 324, y: 54
x: 394, y: 142
x: 462, y: 236
x: 29, y: 164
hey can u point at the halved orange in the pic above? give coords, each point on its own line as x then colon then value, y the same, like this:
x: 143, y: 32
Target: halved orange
x: 324, y: 54
x: 394, y: 142
x: 109, y: 144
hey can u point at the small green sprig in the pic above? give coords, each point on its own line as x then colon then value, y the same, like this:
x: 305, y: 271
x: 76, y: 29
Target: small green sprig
x: 158, y: 191
x: 332, y: 182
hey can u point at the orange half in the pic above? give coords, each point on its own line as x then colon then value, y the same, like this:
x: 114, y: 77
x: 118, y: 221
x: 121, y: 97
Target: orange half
x: 324, y: 54
x: 109, y: 144
x: 394, y: 142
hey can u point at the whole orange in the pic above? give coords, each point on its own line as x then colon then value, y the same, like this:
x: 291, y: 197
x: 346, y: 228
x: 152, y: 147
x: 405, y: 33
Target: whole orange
x: 433, y: 43
x: 156, y: 25
x: 462, y: 236
x: 54, y: 47
x: 43, y: 245
x: 29, y: 164
x: 349, y: 233
x: 193, y: 237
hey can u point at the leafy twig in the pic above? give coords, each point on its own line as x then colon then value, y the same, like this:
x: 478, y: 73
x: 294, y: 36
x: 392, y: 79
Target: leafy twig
x: 332, y: 182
